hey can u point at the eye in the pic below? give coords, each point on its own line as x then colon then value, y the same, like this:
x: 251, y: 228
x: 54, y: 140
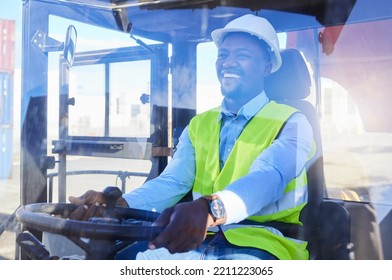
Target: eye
x: 222, y: 55
x: 244, y: 55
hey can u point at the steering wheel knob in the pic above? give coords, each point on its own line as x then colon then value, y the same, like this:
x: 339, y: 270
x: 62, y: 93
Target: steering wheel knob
x: 112, y: 194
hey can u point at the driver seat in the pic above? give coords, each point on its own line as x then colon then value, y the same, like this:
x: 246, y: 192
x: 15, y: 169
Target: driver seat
x: 326, y: 222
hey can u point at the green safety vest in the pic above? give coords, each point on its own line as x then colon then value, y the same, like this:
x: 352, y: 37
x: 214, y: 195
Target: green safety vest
x: 259, y: 133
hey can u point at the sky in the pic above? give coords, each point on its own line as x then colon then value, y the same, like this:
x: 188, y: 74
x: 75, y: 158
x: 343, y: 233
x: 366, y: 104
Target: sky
x: 11, y: 9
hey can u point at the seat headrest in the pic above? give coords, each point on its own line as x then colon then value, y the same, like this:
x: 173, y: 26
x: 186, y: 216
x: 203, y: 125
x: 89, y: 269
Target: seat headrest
x: 291, y: 81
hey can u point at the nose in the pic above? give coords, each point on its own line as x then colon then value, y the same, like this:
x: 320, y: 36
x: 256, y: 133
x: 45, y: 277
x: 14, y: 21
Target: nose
x: 229, y: 61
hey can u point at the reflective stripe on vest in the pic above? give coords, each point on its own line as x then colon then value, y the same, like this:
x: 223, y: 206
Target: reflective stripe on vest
x: 260, y: 132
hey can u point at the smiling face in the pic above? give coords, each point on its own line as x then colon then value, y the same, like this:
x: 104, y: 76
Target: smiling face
x: 242, y: 64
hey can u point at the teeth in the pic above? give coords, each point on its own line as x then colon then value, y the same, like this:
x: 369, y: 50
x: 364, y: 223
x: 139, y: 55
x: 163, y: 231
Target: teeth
x: 228, y: 75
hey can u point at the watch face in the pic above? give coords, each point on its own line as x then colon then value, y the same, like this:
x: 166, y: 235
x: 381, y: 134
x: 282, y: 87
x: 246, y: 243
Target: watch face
x: 217, y: 209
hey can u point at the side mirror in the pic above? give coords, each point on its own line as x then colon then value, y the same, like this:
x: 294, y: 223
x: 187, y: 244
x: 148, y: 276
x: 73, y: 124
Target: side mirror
x: 70, y: 45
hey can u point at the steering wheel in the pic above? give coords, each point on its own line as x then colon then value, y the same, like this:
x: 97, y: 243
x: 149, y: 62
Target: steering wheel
x: 99, y: 237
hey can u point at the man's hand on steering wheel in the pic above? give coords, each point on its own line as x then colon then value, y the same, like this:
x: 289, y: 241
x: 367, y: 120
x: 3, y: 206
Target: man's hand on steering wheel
x: 185, y: 226
x: 91, y: 204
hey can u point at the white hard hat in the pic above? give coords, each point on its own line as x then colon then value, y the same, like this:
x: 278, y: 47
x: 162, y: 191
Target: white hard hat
x: 257, y: 26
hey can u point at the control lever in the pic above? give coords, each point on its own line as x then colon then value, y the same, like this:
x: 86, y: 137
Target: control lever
x: 33, y: 247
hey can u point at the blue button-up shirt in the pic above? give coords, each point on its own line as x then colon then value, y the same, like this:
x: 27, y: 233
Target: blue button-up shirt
x: 272, y: 170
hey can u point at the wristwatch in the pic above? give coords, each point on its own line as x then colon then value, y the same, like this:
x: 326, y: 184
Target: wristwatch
x: 216, y: 208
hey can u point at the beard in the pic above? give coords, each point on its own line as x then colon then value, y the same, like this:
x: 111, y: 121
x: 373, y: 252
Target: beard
x: 230, y: 89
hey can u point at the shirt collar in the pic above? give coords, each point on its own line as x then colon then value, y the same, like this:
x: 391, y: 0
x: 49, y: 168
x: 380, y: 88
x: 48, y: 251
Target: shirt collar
x: 249, y: 109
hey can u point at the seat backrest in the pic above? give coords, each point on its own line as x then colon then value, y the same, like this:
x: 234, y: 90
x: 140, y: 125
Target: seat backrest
x: 291, y: 85
x: 326, y: 222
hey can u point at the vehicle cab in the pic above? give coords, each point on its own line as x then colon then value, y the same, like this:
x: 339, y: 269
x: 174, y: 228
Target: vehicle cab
x: 106, y: 88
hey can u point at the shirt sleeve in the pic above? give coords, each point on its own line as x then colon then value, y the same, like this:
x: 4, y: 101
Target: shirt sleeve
x: 272, y: 170
x: 171, y: 185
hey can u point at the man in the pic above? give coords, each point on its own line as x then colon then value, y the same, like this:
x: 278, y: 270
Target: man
x: 243, y: 161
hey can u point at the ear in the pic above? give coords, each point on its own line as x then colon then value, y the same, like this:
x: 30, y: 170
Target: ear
x: 267, y: 69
